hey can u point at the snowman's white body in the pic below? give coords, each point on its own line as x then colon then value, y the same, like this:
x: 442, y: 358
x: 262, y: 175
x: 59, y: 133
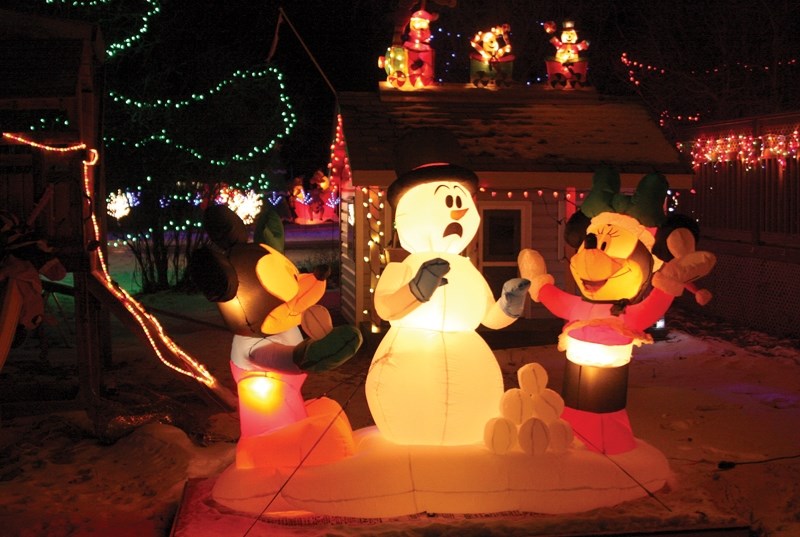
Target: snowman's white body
x: 433, y: 379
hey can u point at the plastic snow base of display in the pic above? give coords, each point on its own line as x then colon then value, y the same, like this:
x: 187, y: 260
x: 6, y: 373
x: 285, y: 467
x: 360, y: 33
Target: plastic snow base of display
x: 384, y: 479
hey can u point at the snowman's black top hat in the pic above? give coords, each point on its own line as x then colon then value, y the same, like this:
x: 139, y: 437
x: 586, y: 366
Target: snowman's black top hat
x: 427, y: 155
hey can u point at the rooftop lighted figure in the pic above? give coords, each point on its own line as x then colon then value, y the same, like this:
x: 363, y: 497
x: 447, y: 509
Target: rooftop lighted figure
x: 493, y: 44
x: 631, y: 262
x: 567, y: 69
x: 433, y: 379
x: 410, y: 65
x: 568, y: 48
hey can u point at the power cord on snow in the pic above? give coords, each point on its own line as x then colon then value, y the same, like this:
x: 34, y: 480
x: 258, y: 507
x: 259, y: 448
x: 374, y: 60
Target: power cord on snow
x: 728, y: 465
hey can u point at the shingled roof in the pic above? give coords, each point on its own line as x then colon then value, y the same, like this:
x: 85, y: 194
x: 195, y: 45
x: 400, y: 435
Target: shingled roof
x: 514, y: 137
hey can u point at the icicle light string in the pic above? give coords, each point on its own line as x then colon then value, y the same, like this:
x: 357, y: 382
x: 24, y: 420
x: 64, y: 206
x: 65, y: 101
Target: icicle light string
x: 150, y: 326
x: 637, y: 70
x: 750, y: 150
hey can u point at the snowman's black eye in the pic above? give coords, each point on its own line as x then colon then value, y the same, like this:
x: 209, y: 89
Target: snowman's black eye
x: 458, y: 202
x: 449, y: 201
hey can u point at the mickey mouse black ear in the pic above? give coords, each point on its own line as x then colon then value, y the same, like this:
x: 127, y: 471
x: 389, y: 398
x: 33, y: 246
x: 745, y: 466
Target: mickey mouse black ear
x: 224, y: 227
x: 575, y: 229
x: 213, y: 274
x: 673, y: 222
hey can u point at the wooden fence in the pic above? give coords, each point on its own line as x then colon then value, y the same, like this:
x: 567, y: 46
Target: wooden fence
x: 746, y: 198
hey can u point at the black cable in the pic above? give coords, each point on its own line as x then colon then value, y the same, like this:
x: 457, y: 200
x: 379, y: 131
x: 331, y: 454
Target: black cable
x: 650, y: 493
x: 300, y: 464
x: 727, y: 465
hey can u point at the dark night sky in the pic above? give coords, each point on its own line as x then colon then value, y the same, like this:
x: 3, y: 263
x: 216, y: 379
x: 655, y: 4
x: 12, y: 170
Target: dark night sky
x: 190, y: 46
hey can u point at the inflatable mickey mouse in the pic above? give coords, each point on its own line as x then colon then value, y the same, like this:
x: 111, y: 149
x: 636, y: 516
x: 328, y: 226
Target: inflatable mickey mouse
x: 263, y: 298
x: 632, y: 260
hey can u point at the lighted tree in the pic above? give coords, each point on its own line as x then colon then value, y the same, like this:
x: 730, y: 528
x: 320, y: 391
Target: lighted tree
x: 189, y: 109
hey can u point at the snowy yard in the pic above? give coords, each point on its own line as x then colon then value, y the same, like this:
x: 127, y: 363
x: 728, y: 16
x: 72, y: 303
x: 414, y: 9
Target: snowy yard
x: 706, y: 396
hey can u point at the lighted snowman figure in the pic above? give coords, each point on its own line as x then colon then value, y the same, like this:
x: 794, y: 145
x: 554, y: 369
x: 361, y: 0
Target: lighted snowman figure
x: 568, y: 48
x: 433, y: 379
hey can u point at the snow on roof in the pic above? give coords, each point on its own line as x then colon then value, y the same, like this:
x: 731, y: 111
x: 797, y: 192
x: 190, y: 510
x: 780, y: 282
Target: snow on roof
x: 513, y: 137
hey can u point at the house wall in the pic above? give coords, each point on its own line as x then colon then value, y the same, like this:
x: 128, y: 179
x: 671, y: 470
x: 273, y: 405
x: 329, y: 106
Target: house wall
x: 364, y: 253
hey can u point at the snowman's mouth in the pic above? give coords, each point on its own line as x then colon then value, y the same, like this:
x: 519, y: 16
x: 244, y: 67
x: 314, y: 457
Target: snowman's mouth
x: 454, y: 228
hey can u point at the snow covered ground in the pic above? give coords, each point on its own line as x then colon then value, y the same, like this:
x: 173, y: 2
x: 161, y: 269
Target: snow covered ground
x: 709, y: 394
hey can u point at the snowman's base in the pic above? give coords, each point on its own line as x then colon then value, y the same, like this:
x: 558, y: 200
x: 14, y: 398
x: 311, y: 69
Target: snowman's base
x: 384, y: 479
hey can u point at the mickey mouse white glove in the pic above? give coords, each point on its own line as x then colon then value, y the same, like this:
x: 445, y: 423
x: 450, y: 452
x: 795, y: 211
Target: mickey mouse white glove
x: 532, y: 267
x: 674, y: 275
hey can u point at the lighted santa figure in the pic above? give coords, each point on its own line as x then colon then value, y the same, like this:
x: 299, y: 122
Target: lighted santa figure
x: 433, y: 379
x: 418, y: 47
x: 632, y: 261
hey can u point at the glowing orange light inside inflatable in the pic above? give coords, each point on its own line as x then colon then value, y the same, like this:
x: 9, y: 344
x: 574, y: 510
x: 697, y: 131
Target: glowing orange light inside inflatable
x: 598, y: 355
x: 268, y: 401
x: 262, y: 393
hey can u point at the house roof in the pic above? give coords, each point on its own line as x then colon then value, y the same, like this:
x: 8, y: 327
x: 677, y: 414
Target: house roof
x: 513, y: 137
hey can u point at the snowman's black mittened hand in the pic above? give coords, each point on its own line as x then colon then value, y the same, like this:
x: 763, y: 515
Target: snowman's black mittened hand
x: 429, y: 276
x: 329, y: 352
x: 512, y: 298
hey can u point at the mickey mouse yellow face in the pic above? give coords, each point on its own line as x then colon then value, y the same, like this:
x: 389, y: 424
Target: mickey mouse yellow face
x: 612, y: 263
x: 438, y: 216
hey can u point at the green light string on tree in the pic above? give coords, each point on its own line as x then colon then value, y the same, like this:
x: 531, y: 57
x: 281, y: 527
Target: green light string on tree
x: 287, y: 114
x: 128, y: 42
x: 50, y: 123
x: 247, y: 188
x: 198, y: 97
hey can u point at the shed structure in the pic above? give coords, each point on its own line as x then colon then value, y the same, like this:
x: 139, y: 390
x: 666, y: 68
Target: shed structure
x: 534, y: 151
x: 50, y: 116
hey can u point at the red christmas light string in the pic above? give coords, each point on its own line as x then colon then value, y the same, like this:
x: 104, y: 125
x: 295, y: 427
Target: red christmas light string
x: 150, y: 326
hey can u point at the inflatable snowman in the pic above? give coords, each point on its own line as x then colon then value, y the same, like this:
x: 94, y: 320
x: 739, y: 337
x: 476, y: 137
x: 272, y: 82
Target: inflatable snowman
x: 433, y: 379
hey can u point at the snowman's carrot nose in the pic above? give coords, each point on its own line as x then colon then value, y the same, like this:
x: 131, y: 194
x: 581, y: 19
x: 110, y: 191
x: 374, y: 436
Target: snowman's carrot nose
x: 457, y: 214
